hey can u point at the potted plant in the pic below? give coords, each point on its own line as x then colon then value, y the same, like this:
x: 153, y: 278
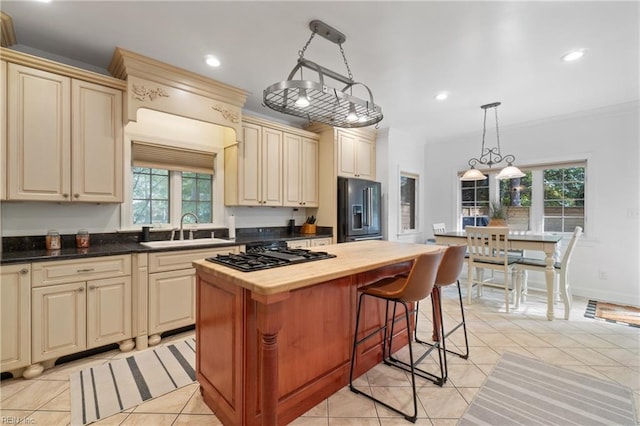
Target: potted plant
x: 497, y: 214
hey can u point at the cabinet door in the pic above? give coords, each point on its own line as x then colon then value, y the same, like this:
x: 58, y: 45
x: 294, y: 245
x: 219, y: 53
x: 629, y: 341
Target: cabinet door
x: 58, y: 321
x: 15, y: 317
x: 108, y: 311
x: 292, y: 168
x: 346, y: 155
x: 96, y: 143
x: 172, y: 300
x: 309, y: 172
x: 365, y: 158
x: 271, y: 167
x: 3, y: 126
x: 39, y: 142
x: 249, y: 165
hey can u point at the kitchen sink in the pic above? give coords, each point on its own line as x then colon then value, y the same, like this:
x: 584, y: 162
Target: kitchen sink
x: 185, y: 243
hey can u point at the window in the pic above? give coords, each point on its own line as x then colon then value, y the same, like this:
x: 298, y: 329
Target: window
x: 196, y: 195
x: 408, y: 202
x: 150, y: 195
x: 169, y: 181
x: 549, y: 198
x: 475, y: 203
x: 563, y: 199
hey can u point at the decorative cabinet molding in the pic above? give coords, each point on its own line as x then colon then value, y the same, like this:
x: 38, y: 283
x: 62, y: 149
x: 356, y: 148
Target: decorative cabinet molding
x: 64, y: 138
x: 356, y: 156
x: 165, y: 88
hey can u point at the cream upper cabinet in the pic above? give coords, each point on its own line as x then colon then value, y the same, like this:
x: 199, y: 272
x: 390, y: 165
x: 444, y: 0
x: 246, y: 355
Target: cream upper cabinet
x: 356, y: 156
x: 259, y: 165
x: 64, y: 138
x: 15, y: 316
x: 300, y: 171
x: 39, y: 135
x: 96, y: 143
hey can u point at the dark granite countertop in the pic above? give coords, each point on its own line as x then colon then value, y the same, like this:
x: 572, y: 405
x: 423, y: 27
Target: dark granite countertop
x: 31, y: 249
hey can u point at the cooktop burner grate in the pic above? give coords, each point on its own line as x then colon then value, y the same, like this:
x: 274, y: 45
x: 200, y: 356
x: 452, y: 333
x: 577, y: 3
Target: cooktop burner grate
x: 268, y: 258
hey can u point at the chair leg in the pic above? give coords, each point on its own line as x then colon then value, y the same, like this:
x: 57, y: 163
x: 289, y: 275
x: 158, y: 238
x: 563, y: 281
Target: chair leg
x: 506, y: 292
x: 516, y: 288
x: 411, y: 365
x: 469, y: 284
x: 524, y: 277
x: 565, y: 289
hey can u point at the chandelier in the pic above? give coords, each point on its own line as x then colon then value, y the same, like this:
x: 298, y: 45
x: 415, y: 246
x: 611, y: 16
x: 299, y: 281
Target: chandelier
x: 491, y: 156
x: 315, y: 100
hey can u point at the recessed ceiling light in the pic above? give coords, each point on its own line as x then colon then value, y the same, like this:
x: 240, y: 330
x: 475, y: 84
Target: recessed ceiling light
x: 442, y: 96
x: 573, y: 55
x: 44, y: 1
x: 212, y: 61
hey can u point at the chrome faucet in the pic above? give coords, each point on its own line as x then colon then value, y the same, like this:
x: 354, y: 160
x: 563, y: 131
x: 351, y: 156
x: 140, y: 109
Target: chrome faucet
x: 182, y: 224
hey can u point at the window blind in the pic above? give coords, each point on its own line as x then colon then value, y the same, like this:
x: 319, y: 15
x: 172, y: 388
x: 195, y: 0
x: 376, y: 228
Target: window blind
x: 155, y: 156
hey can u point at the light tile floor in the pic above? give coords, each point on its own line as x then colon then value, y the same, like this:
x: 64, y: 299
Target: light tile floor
x: 608, y: 351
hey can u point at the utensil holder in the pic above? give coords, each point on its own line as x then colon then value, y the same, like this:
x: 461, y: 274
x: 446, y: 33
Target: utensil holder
x: 308, y: 228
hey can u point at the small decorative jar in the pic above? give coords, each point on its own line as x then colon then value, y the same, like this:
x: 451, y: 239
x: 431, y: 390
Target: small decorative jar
x: 52, y: 240
x: 82, y: 238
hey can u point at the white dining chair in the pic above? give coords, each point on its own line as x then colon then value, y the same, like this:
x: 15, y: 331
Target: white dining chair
x: 487, y: 248
x: 561, y: 279
x: 437, y: 228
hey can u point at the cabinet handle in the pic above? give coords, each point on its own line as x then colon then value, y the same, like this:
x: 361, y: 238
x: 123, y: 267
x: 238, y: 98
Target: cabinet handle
x: 65, y: 195
x: 81, y: 289
x: 85, y: 270
x: 24, y: 271
x: 76, y: 195
x: 92, y: 287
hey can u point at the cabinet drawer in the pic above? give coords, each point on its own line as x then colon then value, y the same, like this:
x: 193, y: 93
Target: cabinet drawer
x: 321, y: 242
x: 63, y: 271
x: 174, y: 260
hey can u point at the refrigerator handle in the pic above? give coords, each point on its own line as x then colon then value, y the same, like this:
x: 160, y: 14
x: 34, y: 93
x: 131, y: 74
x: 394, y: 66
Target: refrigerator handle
x: 368, y: 202
x: 365, y: 205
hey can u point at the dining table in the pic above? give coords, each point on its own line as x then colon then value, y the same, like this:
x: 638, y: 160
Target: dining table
x: 549, y: 244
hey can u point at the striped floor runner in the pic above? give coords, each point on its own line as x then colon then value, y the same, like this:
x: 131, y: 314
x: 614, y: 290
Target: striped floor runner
x: 102, y: 391
x: 524, y: 391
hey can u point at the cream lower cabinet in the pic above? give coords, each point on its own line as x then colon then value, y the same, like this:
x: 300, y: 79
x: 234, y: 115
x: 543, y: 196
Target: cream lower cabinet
x: 311, y: 242
x: 15, y: 325
x: 78, y: 305
x: 64, y: 138
x: 172, y: 289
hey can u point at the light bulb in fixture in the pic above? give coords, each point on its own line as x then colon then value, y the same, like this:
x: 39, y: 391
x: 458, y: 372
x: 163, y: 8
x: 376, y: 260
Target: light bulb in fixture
x: 303, y: 99
x: 573, y: 55
x: 352, y: 116
x: 212, y: 61
x: 441, y: 96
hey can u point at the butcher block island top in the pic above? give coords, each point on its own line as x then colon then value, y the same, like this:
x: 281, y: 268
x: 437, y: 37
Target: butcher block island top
x: 351, y: 258
x: 274, y: 343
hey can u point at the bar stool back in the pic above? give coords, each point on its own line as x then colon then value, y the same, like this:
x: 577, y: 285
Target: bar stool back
x: 401, y: 290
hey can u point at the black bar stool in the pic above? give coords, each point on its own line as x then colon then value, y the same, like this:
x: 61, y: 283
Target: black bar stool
x: 404, y: 290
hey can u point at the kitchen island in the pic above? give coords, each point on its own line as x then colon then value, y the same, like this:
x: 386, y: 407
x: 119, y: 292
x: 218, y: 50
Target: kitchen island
x: 274, y: 343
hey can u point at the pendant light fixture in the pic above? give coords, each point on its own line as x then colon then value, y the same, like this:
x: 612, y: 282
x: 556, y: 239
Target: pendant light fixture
x: 491, y: 156
x: 317, y: 101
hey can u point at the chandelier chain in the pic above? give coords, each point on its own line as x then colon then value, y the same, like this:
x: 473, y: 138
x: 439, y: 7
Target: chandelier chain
x: 497, y: 130
x: 301, y: 52
x: 344, y: 57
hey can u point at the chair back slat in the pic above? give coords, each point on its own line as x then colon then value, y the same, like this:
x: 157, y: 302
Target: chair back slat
x: 439, y: 228
x: 488, y: 243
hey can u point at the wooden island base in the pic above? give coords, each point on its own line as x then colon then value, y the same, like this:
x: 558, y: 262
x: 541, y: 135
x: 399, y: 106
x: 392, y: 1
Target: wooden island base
x: 266, y: 355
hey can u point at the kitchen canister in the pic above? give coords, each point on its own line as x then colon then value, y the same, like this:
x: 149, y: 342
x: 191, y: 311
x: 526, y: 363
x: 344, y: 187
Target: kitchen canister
x: 52, y: 240
x: 82, y: 238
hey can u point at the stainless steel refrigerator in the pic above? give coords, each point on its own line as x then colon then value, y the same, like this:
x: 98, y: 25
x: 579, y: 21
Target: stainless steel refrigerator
x: 358, y: 210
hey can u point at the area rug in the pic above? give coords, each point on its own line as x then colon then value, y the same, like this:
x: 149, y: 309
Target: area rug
x: 626, y: 315
x: 524, y: 391
x: 107, y: 389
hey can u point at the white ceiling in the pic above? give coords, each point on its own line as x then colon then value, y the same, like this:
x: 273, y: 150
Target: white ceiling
x: 406, y: 52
